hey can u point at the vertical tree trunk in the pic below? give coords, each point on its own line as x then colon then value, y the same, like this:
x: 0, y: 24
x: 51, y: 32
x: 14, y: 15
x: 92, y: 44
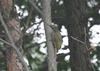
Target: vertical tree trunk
x: 76, y: 16
x: 13, y: 62
x: 52, y: 65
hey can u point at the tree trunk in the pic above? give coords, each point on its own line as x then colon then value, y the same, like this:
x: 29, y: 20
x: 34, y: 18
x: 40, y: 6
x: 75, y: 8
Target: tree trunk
x: 13, y: 62
x: 13, y: 26
x: 76, y: 16
x: 52, y: 65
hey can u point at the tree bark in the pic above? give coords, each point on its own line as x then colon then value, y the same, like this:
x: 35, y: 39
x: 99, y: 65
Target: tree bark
x: 13, y: 61
x: 13, y: 26
x: 76, y: 16
x: 52, y: 65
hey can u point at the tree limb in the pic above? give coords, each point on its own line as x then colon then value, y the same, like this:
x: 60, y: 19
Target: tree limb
x: 4, y: 41
x: 34, y: 5
x: 13, y: 44
x: 52, y: 64
x: 78, y: 40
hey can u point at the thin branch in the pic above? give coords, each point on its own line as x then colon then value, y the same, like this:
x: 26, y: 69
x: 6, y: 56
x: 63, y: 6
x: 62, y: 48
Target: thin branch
x: 4, y: 41
x: 77, y: 40
x: 86, y: 38
x: 34, y: 5
x: 13, y: 44
x: 29, y: 17
x: 85, y: 35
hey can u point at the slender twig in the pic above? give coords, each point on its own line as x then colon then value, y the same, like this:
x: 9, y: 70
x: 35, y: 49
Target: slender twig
x: 85, y: 32
x: 85, y: 35
x: 13, y: 44
x: 29, y: 17
x: 4, y: 41
x: 77, y: 40
x: 36, y: 7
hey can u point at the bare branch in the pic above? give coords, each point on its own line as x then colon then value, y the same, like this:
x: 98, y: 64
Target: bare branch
x: 13, y: 44
x: 77, y: 40
x: 34, y: 5
x: 4, y: 41
x: 28, y: 19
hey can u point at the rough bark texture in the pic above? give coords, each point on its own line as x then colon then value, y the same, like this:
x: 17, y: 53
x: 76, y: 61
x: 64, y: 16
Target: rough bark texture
x: 52, y: 65
x: 76, y: 16
x: 13, y: 62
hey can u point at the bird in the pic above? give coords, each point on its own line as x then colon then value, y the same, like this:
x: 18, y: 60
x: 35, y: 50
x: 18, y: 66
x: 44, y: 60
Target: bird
x: 56, y: 37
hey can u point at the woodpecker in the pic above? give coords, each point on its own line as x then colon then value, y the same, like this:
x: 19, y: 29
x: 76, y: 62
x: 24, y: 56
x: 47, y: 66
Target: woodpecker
x: 56, y: 37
